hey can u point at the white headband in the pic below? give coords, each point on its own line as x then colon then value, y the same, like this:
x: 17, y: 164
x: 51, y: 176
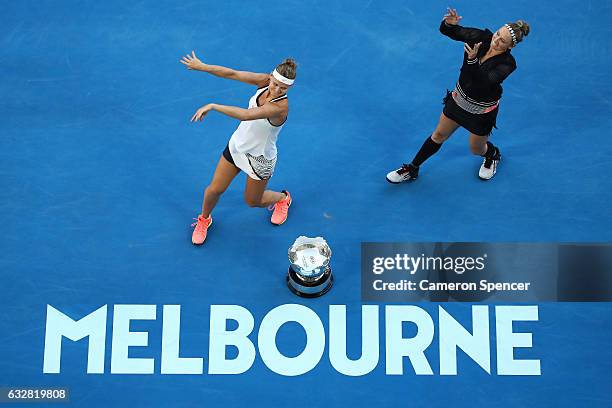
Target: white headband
x: 511, y: 33
x: 281, y: 78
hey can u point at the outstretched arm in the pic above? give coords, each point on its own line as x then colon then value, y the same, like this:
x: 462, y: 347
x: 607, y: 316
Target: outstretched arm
x: 269, y: 110
x: 192, y: 62
x: 450, y: 27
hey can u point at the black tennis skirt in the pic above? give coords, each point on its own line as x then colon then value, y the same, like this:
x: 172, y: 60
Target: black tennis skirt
x: 481, y: 125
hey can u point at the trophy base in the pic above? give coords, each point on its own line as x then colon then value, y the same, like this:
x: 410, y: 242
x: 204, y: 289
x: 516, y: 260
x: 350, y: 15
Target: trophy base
x: 310, y: 289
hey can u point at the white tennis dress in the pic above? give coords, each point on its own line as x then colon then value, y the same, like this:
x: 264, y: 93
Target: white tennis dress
x: 253, y: 144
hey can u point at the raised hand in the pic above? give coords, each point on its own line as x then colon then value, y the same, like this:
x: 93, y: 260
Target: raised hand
x: 451, y: 17
x: 471, y: 52
x: 191, y: 61
x: 200, y: 113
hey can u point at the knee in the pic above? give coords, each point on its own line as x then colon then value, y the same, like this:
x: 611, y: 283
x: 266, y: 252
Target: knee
x: 251, y: 202
x: 439, y: 137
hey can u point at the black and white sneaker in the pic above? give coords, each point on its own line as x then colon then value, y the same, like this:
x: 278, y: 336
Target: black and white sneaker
x: 489, y: 166
x: 407, y: 172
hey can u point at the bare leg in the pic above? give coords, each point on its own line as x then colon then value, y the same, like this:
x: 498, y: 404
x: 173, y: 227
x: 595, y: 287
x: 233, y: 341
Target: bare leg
x: 256, y: 195
x: 224, y: 174
x: 446, y: 127
x: 478, y: 144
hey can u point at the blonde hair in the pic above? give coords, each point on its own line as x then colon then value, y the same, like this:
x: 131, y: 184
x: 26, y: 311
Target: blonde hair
x: 287, y: 68
x: 521, y: 30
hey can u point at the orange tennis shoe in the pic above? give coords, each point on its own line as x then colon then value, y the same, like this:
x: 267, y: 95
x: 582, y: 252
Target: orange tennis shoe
x: 281, y: 210
x: 201, y: 228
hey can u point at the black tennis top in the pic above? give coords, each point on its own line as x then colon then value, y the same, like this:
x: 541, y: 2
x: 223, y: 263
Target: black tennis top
x: 481, y: 82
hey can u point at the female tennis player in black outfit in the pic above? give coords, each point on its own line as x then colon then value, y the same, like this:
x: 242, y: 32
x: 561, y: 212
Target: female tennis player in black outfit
x: 474, y: 102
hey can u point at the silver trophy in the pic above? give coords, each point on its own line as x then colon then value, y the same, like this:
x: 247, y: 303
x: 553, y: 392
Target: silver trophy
x: 309, y: 273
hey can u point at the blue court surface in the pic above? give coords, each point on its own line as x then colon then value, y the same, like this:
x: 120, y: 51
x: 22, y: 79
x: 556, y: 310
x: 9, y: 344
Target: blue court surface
x: 101, y: 173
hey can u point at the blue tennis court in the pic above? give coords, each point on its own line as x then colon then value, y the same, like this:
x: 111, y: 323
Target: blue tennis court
x: 102, y: 172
